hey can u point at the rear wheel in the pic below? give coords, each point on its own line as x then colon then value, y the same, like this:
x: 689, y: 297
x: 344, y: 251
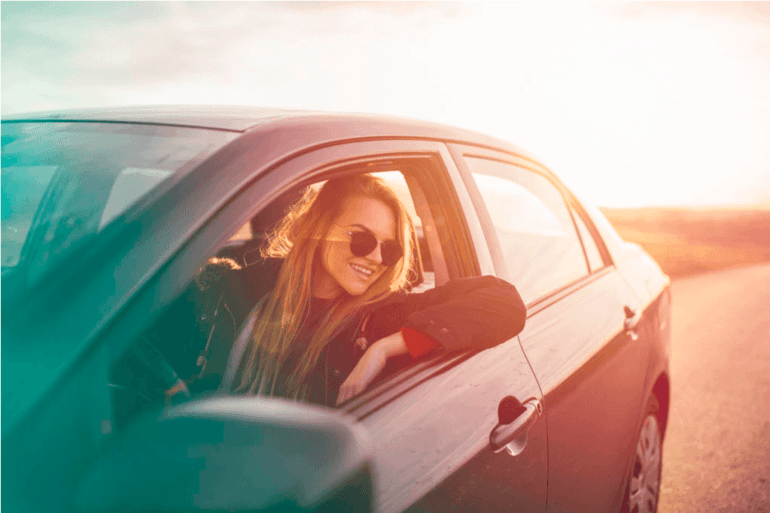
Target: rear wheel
x: 644, y: 482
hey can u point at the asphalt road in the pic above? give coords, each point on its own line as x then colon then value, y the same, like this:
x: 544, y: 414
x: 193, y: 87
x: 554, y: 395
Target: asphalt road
x: 717, y: 451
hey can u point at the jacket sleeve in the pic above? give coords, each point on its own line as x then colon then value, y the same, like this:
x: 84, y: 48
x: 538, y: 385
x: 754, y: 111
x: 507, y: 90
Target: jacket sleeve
x: 469, y: 313
x: 417, y: 343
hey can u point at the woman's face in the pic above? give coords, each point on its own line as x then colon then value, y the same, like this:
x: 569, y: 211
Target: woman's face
x: 340, y: 270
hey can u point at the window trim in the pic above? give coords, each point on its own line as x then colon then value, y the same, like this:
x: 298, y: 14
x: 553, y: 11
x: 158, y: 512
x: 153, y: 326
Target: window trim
x: 588, y: 222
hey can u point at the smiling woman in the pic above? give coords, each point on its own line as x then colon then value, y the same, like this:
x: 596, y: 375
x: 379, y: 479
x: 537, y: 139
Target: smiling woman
x: 347, y: 252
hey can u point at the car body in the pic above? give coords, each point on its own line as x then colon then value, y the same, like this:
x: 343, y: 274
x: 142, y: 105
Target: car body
x: 129, y: 205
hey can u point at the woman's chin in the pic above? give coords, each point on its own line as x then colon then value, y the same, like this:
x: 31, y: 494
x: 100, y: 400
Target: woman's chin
x: 356, y: 287
x: 356, y: 291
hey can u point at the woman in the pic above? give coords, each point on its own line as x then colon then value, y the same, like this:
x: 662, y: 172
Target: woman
x: 347, y: 251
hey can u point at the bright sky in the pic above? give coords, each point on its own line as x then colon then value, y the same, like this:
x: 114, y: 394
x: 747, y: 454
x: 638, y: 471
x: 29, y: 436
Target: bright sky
x: 630, y: 103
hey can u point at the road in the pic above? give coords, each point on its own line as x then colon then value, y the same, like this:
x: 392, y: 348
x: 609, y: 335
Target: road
x: 717, y: 452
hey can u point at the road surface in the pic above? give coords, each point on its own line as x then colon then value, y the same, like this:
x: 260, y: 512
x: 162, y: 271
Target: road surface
x: 717, y: 451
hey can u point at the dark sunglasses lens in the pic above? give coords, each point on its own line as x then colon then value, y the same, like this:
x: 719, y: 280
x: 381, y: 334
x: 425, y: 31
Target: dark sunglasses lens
x: 363, y: 243
x: 391, y: 253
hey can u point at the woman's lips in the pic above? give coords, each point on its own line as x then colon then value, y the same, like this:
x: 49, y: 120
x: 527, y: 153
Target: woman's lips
x: 364, y: 272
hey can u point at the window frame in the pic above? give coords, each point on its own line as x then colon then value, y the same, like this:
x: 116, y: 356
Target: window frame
x: 578, y: 210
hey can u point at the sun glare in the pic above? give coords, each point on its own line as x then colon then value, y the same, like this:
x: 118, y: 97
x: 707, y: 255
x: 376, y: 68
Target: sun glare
x: 632, y: 103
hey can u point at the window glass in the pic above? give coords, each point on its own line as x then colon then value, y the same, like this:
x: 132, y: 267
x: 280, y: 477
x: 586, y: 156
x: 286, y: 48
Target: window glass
x: 62, y: 182
x: 23, y: 188
x: 538, y: 238
x: 595, y: 260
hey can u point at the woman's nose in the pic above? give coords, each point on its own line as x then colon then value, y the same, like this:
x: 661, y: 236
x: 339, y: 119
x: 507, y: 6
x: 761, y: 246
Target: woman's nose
x: 376, y: 254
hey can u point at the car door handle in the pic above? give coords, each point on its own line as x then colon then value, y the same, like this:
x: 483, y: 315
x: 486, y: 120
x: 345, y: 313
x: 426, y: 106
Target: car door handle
x: 514, y: 421
x: 633, y: 316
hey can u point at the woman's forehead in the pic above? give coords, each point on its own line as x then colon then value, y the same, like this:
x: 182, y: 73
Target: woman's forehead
x: 371, y: 213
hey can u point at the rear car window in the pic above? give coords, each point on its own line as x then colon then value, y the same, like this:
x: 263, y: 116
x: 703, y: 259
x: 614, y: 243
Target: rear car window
x: 535, y: 229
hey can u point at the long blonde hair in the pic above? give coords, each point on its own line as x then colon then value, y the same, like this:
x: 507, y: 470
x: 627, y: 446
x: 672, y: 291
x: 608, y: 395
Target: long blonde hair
x: 297, y: 239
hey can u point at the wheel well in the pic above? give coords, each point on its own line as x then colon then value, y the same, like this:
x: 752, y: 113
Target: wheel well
x: 661, y: 391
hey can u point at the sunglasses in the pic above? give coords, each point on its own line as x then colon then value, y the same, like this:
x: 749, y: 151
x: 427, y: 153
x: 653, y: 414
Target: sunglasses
x: 363, y: 243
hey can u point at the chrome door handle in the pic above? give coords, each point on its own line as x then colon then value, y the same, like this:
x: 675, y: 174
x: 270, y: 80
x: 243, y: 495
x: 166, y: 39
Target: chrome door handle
x: 633, y: 316
x: 512, y: 433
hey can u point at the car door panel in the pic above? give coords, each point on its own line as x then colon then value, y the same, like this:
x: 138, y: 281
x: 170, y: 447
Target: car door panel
x: 432, y: 442
x: 592, y: 374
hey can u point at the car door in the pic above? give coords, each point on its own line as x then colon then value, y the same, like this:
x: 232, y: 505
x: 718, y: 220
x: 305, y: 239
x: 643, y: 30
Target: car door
x: 590, y: 367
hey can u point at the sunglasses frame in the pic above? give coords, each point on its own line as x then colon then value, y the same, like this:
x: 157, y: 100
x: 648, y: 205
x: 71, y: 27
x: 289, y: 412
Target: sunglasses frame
x: 385, y: 252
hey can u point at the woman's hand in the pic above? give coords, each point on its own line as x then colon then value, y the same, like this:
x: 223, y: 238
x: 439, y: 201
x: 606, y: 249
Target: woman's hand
x: 370, y: 365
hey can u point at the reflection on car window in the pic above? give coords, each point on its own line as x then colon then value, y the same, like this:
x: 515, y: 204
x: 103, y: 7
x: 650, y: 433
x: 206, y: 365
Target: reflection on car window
x: 63, y: 182
x: 516, y: 210
x: 23, y: 188
x: 535, y: 229
x: 130, y: 185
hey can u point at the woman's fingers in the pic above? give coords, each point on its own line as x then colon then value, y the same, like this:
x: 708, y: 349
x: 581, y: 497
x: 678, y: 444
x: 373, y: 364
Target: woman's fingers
x: 347, y: 391
x: 349, y: 388
x: 367, y: 368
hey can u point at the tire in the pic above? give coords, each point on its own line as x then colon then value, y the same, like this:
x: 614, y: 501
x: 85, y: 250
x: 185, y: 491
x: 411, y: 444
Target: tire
x: 643, y: 489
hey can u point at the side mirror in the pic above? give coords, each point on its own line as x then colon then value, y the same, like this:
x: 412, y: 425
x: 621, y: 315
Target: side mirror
x: 234, y: 454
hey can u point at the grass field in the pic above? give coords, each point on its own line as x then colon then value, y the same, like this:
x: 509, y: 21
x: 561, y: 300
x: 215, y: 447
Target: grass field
x: 692, y: 240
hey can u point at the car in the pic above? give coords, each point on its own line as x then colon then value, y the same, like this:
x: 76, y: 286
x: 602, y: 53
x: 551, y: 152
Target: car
x: 116, y: 223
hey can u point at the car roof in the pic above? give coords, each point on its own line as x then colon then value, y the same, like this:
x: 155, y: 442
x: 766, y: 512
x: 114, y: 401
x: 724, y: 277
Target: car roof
x: 241, y: 119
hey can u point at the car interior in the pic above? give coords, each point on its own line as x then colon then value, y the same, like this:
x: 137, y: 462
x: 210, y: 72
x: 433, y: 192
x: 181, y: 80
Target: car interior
x: 184, y: 353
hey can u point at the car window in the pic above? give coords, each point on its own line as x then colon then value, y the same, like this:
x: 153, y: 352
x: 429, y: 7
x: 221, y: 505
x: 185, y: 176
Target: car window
x: 185, y: 352
x: 594, y: 257
x: 63, y: 182
x: 539, y: 243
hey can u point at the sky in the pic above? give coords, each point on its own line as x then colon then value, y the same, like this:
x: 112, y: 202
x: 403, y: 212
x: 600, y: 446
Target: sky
x: 630, y: 103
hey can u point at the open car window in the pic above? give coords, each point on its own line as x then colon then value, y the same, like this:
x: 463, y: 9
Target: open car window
x: 186, y: 352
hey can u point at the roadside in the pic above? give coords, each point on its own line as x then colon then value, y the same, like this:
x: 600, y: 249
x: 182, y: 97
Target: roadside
x: 717, y: 450
x: 686, y: 241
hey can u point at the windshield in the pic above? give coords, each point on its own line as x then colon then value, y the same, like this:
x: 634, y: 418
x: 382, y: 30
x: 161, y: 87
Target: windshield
x: 62, y: 183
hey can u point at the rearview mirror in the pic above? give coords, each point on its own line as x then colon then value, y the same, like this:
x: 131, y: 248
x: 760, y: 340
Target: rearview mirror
x: 234, y: 454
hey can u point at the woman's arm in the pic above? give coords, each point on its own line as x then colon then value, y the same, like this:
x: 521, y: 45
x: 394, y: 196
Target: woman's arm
x: 469, y: 313
x: 371, y: 364
x: 472, y: 313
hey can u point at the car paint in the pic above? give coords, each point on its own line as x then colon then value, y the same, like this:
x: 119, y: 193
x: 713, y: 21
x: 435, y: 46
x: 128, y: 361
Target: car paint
x: 164, y: 241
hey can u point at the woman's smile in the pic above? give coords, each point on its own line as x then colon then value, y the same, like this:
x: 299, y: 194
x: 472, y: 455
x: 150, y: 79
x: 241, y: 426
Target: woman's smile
x: 363, y: 271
